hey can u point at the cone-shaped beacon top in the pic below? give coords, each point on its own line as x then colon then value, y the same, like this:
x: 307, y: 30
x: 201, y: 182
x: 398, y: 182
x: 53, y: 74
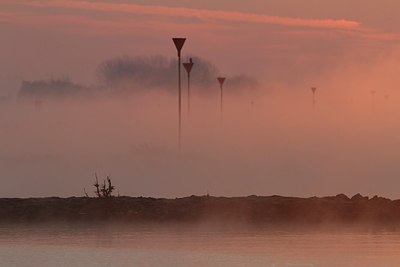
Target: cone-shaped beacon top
x: 221, y: 80
x: 313, y: 89
x: 179, y: 42
x: 188, y: 66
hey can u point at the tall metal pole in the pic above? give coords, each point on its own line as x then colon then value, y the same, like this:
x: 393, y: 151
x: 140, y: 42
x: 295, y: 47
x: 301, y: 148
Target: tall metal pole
x: 313, y: 90
x: 179, y: 42
x: 188, y: 94
x: 221, y: 81
x: 188, y: 66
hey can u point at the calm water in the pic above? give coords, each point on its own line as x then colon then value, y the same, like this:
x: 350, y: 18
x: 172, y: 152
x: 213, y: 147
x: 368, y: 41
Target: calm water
x: 63, y: 245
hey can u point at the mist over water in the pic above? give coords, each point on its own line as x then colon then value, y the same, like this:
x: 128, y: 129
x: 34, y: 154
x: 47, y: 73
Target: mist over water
x: 146, y: 245
x: 270, y: 141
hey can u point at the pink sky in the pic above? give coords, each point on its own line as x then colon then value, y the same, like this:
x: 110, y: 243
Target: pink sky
x: 271, y: 39
x: 345, y: 48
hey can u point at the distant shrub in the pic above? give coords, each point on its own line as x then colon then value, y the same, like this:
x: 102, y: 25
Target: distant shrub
x: 103, y: 190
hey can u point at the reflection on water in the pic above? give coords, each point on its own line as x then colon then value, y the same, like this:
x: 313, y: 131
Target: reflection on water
x: 63, y: 245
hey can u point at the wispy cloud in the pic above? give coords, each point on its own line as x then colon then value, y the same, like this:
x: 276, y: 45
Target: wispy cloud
x: 171, y: 18
x: 204, y: 14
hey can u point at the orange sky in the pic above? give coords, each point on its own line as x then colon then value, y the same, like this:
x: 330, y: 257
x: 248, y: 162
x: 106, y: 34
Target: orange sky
x: 274, y: 40
x: 345, y: 48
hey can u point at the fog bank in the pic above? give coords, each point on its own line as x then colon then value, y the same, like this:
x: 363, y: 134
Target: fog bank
x: 269, y: 142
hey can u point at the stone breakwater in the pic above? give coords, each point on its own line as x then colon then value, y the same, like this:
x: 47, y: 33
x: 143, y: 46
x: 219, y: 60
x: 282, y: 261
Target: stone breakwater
x: 197, y: 209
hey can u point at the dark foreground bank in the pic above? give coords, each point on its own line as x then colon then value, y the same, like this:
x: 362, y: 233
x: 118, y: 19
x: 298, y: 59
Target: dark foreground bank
x: 194, y: 209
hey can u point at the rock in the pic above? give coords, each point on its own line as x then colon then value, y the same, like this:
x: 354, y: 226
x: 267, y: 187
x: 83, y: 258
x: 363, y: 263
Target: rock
x: 359, y: 197
x: 342, y: 197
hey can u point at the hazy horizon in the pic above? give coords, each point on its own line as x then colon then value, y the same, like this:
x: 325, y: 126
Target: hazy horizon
x: 343, y: 146
x: 271, y: 140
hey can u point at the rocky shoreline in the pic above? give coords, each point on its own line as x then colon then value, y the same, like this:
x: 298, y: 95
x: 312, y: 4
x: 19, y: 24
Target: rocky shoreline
x: 196, y: 209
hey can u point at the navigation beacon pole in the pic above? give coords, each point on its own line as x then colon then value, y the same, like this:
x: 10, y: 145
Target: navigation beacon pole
x: 188, y: 67
x: 179, y: 42
x: 313, y: 90
x: 221, y: 81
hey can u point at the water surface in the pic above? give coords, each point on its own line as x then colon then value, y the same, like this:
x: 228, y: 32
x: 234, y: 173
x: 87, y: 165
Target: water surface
x: 178, y: 246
